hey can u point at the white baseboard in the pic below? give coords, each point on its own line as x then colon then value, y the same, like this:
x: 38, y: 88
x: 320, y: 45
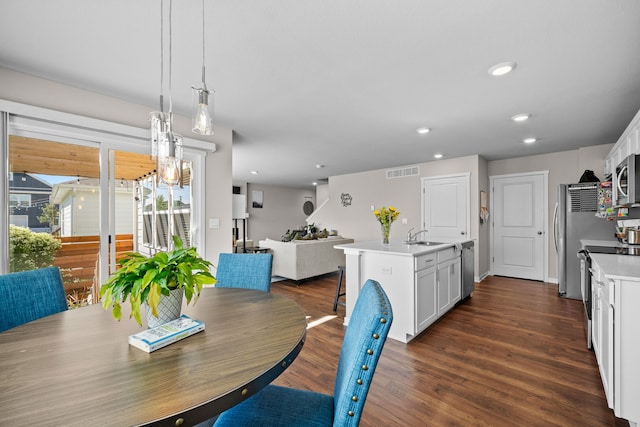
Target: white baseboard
x: 480, y: 278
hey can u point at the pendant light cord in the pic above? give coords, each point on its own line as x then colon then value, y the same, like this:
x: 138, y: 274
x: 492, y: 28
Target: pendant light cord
x: 161, y: 56
x: 170, y: 57
x: 203, y: 27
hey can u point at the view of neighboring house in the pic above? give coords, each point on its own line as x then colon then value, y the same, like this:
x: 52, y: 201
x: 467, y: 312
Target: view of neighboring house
x: 28, y: 195
x: 79, y: 212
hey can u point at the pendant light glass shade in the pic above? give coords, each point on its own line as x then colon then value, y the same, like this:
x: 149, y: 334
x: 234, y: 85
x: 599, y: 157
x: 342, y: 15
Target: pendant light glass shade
x: 169, y: 149
x: 202, y: 123
x: 170, y: 171
x: 159, y: 128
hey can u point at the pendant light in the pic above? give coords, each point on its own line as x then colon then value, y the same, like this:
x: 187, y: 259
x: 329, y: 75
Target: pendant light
x: 201, y: 117
x: 166, y: 145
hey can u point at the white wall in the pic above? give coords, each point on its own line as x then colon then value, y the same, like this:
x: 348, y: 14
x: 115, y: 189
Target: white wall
x: 281, y: 211
x: 372, y: 188
x: 26, y: 89
x: 85, y: 219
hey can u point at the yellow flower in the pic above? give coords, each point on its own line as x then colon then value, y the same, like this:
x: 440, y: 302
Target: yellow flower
x: 386, y: 215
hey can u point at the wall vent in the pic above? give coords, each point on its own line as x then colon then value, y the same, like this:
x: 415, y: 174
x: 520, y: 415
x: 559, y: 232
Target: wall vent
x: 403, y: 172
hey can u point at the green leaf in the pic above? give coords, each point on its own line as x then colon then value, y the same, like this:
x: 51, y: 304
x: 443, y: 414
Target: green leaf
x: 107, y: 299
x: 149, y: 277
x: 117, y: 311
x: 135, y: 309
x: 154, y: 298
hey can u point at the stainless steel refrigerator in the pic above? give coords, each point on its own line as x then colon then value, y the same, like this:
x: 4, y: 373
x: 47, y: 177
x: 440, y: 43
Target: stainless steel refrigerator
x: 575, y: 219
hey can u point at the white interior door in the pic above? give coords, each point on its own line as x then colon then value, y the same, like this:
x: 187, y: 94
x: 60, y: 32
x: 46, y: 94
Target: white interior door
x: 518, y: 206
x: 446, y: 206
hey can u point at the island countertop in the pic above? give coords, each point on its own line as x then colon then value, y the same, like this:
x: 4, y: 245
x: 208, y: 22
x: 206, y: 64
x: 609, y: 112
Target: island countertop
x: 399, y: 247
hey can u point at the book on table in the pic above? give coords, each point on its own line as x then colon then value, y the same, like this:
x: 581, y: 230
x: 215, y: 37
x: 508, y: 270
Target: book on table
x: 168, y: 333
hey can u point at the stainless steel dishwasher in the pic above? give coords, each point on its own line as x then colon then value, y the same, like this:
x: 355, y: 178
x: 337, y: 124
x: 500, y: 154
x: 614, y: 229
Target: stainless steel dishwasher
x: 467, y: 270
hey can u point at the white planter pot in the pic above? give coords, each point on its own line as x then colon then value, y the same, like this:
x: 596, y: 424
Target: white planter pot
x: 169, y: 308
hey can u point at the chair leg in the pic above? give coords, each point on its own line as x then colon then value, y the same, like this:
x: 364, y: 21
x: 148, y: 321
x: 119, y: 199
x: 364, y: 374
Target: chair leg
x: 336, y: 300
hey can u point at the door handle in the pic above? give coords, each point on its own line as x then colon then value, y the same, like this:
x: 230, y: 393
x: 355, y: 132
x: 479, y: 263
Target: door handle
x: 555, y: 226
x: 539, y: 233
x: 463, y: 233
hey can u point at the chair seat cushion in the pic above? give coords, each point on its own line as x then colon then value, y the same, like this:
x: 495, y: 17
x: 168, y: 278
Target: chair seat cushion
x: 280, y: 406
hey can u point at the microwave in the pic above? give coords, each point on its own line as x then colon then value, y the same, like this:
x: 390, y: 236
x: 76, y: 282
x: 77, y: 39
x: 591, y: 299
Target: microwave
x: 627, y: 182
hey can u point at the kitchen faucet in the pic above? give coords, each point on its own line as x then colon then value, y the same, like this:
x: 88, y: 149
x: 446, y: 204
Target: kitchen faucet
x: 413, y: 237
x: 409, y: 234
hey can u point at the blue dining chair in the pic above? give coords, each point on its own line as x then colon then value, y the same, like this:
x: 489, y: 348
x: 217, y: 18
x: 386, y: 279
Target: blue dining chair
x: 361, y: 347
x: 30, y: 295
x: 249, y: 271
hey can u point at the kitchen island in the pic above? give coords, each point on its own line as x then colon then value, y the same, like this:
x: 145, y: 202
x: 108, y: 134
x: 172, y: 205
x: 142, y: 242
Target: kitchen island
x: 422, y: 281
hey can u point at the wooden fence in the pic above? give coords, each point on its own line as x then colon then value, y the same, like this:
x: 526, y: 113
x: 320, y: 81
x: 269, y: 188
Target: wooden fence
x: 78, y: 260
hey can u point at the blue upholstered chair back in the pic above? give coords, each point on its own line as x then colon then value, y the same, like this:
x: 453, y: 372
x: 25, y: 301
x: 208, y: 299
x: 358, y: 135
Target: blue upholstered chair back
x: 249, y: 271
x: 361, y: 348
x: 366, y: 334
x: 30, y: 295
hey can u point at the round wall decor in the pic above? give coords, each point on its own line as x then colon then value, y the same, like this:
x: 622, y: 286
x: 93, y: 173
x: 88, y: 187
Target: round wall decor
x: 307, y: 207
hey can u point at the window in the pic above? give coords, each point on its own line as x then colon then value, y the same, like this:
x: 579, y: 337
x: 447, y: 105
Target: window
x: 171, y: 209
x: 19, y: 200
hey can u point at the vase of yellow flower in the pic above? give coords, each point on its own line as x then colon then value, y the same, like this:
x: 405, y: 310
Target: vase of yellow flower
x: 385, y: 217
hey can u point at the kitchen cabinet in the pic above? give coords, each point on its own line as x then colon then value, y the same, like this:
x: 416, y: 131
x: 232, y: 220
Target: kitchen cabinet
x: 448, y: 278
x: 626, y: 350
x: 627, y: 144
x: 426, y: 292
x: 616, y: 291
x: 603, y: 320
x: 422, y: 282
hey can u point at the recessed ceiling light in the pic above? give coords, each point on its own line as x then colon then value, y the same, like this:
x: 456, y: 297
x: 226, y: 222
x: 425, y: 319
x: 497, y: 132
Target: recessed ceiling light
x: 254, y: 172
x: 423, y: 131
x: 315, y: 183
x: 502, y: 68
x: 319, y: 166
x: 529, y: 140
x: 437, y: 156
x: 520, y: 117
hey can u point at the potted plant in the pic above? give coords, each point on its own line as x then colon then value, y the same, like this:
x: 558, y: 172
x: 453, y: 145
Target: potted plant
x: 145, y: 280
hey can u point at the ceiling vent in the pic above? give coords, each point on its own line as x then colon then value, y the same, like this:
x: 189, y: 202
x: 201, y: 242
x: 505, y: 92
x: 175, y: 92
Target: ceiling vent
x: 403, y: 172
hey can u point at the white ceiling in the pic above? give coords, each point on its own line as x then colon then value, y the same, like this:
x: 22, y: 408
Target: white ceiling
x: 345, y: 83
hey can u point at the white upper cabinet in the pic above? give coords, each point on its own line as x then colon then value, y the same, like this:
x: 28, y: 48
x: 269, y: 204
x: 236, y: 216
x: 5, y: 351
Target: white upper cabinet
x: 628, y: 143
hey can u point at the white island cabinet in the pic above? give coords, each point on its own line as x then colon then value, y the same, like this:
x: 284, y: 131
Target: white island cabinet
x: 616, y: 331
x: 422, y: 282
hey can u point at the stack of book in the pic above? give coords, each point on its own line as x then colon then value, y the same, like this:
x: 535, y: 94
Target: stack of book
x: 163, y: 335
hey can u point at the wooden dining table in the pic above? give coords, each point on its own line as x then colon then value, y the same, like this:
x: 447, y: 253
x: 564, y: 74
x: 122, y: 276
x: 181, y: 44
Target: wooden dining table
x: 77, y: 368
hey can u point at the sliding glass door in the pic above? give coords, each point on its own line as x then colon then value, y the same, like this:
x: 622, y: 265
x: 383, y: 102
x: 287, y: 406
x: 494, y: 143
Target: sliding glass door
x: 54, y: 211
x: 81, y: 192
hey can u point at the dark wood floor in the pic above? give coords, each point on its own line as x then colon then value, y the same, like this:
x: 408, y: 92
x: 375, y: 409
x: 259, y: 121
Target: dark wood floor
x: 513, y: 354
